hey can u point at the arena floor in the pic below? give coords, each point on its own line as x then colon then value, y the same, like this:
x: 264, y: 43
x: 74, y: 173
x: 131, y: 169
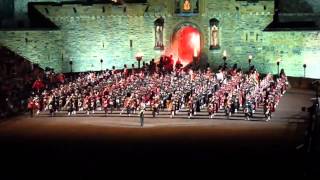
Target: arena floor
x: 83, y: 143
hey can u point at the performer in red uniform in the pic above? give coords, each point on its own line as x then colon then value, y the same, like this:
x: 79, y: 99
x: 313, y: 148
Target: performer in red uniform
x: 31, y: 106
x: 38, y: 85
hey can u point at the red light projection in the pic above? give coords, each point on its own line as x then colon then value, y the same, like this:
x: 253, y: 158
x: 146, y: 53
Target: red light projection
x: 186, y: 44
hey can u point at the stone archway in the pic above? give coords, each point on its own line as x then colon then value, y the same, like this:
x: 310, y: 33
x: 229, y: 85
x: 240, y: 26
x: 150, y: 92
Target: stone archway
x: 186, y: 42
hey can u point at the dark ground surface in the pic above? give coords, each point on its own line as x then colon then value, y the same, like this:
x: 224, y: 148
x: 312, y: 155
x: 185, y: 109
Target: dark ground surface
x: 84, y: 147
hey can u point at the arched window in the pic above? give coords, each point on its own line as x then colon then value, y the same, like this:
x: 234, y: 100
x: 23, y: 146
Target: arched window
x: 158, y: 29
x: 177, y: 4
x: 196, y: 8
x: 186, y: 5
x: 214, y: 34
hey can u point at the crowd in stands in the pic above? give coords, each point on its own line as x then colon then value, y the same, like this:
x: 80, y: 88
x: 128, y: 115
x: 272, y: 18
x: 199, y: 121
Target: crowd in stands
x: 159, y: 86
x: 16, y: 79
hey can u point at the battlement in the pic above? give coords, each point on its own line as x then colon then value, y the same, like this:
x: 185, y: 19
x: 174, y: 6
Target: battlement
x: 255, y: 8
x: 154, y: 7
x: 78, y: 10
x: 235, y: 7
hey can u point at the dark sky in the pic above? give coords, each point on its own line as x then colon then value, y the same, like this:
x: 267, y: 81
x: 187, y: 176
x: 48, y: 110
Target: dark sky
x: 299, y: 6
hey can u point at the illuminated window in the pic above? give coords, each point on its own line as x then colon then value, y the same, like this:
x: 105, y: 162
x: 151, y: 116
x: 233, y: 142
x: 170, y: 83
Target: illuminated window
x: 187, y: 7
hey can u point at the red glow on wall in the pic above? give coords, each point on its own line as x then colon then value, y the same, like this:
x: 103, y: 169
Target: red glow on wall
x: 186, y: 44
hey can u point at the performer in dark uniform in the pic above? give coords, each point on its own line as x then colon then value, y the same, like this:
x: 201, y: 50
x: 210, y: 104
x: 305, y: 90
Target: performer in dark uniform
x: 75, y: 107
x: 69, y: 106
x: 141, y: 114
x: 190, y: 108
x: 246, y: 111
x: 31, y: 107
x: 210, y: 111
x: 267, y: 110
x: 51, y: 107
x: 105, y: 105
x: 227, y: 107
x: 153, y: 108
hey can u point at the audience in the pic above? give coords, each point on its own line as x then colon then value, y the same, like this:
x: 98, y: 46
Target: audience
x: 16, y: 86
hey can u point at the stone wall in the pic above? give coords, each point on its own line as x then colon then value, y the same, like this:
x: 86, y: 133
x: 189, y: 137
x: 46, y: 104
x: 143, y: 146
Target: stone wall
x: 241, y: 30
x: 294, y: 49
x: 104, y: 31
x: 40, y: 47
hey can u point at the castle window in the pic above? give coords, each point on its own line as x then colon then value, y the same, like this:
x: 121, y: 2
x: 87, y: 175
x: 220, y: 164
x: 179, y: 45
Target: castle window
x: 196, y: 7
x: 186, y: 7
x: 177, y: 4
x: 158, y: 29
x: 214, y: 34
